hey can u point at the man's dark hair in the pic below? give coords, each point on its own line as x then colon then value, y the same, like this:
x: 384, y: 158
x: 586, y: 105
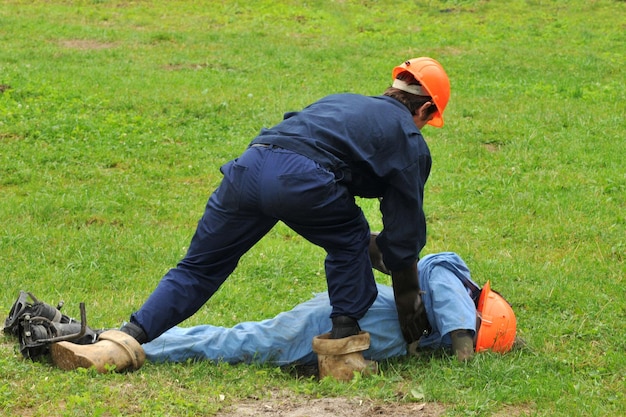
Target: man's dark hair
x: 411, y: 101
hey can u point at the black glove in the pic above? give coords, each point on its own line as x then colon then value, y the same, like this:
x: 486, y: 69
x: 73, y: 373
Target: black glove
x: 411, y: 312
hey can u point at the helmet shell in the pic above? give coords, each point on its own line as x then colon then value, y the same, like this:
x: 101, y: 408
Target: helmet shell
x: 433, y: 78
x: 498, y: 323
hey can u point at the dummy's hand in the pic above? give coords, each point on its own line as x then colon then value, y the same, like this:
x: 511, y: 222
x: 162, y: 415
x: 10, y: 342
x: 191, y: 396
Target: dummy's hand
x: 462, y: 344
x: 376, y: 255
x: 412, y: 316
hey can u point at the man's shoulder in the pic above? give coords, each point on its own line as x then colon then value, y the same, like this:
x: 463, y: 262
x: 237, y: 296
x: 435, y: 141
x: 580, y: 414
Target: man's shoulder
x: 358, y: 98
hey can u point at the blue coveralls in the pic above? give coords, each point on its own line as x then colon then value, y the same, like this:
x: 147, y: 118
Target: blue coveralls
x: 305, y: 172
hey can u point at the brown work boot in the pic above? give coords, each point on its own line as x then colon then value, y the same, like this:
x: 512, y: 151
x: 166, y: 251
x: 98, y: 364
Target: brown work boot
x: 114, y: 350
x: 341, y: 358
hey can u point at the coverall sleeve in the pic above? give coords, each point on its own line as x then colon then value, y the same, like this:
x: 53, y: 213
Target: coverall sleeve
x: 404, y: 222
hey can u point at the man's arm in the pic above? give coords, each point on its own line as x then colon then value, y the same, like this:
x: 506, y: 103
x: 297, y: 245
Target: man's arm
x: 411, y: 312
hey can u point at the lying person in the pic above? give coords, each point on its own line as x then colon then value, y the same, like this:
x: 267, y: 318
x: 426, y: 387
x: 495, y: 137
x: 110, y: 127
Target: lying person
x: 461, y: 318
x: 454, y: 305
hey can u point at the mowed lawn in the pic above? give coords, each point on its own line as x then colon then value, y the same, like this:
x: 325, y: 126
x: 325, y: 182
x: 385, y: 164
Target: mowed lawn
x: 115, y: 117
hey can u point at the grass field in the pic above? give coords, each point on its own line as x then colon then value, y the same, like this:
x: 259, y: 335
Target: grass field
x: 116, y: 115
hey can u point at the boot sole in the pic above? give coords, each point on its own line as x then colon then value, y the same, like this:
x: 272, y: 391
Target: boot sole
x: 65, y: 358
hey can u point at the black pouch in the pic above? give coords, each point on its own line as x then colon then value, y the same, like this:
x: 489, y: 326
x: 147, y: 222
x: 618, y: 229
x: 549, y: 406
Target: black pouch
x: 37, y: 325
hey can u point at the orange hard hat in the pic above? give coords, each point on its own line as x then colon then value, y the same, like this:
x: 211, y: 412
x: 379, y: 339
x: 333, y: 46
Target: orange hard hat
x: 498, y: 323
x: 433, y: 78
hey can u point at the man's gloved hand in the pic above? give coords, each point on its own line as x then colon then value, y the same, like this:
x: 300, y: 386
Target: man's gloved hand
x: 411, y: 312
x: 376, y: 256
x: 412, y: 316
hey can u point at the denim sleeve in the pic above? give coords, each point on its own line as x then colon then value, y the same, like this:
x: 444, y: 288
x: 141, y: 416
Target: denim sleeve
x: 448, y: 305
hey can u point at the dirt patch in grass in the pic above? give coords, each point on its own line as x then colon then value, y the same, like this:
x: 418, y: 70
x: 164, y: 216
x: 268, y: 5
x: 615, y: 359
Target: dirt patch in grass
x: 181, y: 67
x: 86, y: 44
x: 290, y: 406
x: 329, y: 407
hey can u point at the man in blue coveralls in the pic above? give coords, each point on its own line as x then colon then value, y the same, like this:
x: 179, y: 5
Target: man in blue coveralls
x: 306, y: 172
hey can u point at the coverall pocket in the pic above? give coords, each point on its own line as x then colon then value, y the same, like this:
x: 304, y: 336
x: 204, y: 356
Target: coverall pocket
x: 229, y: 193
x: 306, y: 191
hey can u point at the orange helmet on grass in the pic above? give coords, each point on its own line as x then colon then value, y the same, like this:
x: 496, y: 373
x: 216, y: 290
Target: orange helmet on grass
x: 498, y: 323
x: 431, y: 75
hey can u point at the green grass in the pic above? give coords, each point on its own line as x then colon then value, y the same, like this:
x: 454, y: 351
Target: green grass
x: 119, y: 114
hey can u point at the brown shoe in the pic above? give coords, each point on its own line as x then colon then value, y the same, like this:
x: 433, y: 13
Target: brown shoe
x: 341, y: 358
x: 114, y: 350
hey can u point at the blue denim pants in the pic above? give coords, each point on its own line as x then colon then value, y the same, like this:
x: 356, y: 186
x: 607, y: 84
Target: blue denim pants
x: 286, y: 339
x: 267, y: 184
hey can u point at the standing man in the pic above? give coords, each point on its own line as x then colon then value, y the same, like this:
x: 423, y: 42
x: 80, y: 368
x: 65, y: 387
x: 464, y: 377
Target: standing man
x: 306, y: 172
